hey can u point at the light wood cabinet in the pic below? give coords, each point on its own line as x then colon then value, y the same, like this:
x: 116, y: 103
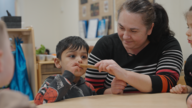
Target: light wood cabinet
x: 46, y: 69
x: 28, y: 45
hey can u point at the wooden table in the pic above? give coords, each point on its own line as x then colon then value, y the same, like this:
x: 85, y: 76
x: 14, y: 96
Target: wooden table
x: 158, y: 100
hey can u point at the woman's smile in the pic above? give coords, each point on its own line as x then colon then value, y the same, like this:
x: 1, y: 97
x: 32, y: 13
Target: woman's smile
x: 127, y: 42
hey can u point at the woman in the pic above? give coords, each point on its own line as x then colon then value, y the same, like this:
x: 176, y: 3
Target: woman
x: 142, y: 57
x: 188, y: 68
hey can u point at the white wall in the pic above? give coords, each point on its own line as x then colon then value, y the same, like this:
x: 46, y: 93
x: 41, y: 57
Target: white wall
x: 52, y: 20
x: 176, y: 10
x: 44, y: 16
x: 55, y: 19
x: 69, y: 17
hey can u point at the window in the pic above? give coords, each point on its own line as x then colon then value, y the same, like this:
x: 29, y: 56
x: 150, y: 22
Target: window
x: 7, y: 5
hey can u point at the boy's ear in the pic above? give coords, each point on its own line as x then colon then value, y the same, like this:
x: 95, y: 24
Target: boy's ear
x: 57, y: 63
x: 1, y: 67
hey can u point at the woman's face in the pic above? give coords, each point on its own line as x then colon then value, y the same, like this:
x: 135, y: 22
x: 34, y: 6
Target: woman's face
x: 189, y: 31
x: 132, y: 31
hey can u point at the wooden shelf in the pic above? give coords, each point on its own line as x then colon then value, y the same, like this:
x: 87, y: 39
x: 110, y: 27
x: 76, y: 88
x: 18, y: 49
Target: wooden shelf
x: 44, y: 72
x: 28, y: 46
x: 46, y: 62
x: 19, y: 30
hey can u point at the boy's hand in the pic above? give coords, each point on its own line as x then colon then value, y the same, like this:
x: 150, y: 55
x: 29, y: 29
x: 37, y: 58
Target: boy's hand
x: 178, y: 89
x: 117, y: 86
x: 189, y: 102
x: 73, y: 67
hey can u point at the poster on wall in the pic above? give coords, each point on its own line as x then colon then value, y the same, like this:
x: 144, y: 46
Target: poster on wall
x: 83, y: 1
x: 106, y: 6
x: 109, y: 21
x: 84, y: 11
x: 152, y: 1
x: 95, y: 9
x: 92, y: 28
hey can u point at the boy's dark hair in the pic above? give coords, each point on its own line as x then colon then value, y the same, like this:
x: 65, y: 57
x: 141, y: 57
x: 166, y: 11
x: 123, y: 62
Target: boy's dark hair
x: 71, y: 42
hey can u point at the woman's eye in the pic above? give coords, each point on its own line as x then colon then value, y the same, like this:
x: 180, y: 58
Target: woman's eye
x: 72, y: 56
x: 121, y: 28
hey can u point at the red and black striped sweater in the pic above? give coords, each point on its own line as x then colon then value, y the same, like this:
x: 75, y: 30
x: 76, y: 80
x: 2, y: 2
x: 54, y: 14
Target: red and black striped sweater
x: 161, y: 61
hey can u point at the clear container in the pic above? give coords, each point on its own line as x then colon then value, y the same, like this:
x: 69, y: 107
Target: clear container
x: 49, y: 57
x: 41, y: 57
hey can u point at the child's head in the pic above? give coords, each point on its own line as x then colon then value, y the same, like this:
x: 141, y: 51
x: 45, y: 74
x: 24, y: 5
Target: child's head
x: 189, y: 24
x: 72, y: 51
x: 6, y: 57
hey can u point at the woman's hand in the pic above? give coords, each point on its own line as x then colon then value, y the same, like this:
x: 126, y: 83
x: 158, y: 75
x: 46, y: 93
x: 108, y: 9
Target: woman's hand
x: 117, y: 86
x: 139, y: 81
x: 111, y: 67
x: 178, y: 89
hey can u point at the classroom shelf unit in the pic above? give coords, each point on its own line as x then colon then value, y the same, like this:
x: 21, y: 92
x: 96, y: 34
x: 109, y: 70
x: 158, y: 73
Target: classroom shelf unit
x: 28, y: 45
x: 46, y: 69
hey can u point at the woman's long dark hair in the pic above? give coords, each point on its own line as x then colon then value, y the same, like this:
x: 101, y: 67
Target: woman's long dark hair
x: 161, y: 28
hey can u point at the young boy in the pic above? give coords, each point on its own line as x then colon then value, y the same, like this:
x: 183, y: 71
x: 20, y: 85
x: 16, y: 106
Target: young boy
x: 71, y: 52
x: 8, y: 98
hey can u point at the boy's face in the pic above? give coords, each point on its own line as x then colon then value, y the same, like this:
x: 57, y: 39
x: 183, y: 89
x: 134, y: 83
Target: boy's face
x: 6, y: 57
x: 70, y: 60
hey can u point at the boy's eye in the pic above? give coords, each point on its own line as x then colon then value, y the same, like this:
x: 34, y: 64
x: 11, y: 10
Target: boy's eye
x: 84, y: 57
x: 72, y: 56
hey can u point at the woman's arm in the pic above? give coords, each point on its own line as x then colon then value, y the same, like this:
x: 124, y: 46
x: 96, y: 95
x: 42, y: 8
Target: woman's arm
x: 117, y: 87
x: 139, y: 81
x: 167, y: 74
x: 101, y: 50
